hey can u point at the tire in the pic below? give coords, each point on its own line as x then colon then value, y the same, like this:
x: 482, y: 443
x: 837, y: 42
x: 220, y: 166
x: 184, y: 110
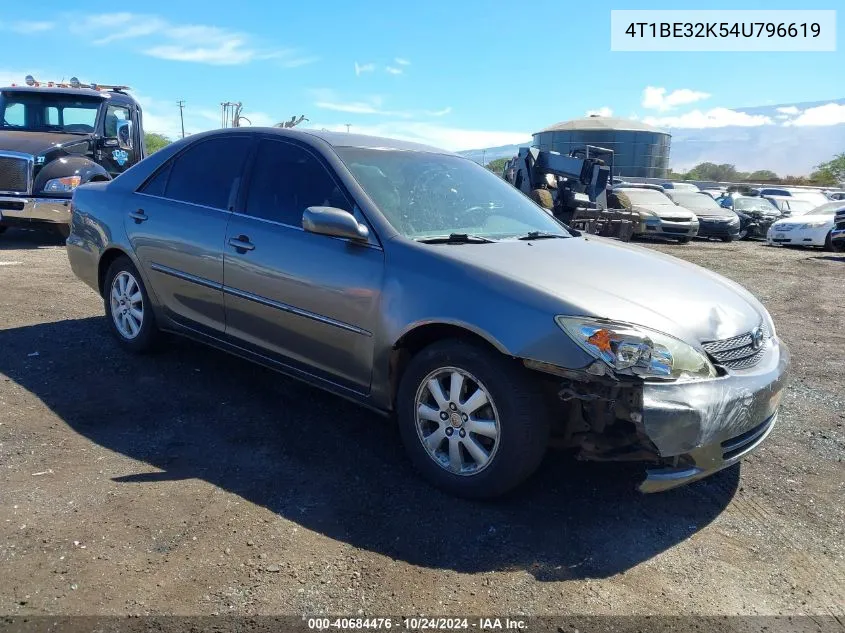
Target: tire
x: 683, y: 240
x: 543, y: 197
x: 828, y: 242
x: 3, y: 228
x: 63, y: 230
x: 743, y: 235
x: 726, y: 238
x: 147, y: 334
x: 518, y: 412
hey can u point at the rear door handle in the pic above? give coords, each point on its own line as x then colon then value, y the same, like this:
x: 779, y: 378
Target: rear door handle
x: 241, y: 243
x: 139, y: 216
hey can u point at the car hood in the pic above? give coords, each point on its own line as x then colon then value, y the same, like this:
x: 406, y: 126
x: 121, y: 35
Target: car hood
x: 35, y: 142
x: 713, y: 213
x: 803, y: 219
x: 665, y: 210
x: 593, y: 276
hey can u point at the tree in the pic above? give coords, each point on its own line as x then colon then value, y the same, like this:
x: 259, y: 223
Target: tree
x: 712, y: 171
x: 155, y: 142
x: 496, y: 166
x: 762, y: 175
x: 830, y: 173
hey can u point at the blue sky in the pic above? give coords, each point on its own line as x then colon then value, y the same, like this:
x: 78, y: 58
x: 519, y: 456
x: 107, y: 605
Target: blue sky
x: 458, y: 74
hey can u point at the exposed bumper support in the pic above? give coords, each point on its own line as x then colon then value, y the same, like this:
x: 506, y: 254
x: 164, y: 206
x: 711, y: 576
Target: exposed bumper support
x: 23, y: 210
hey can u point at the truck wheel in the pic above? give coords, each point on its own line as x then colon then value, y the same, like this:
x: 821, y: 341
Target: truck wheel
x: 474, y: 424
x: 128, y: 310
x: 543, y: 197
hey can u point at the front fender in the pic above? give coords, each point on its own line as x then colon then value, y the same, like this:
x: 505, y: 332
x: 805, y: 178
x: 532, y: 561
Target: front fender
x: 65, y: 166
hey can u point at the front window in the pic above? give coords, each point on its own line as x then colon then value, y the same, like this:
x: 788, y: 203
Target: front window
x: 754, y: 204
x: 44, y: 112
x: 426, y: 195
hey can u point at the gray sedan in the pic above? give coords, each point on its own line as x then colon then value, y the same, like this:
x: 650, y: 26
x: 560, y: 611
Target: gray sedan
x: 421, y: 285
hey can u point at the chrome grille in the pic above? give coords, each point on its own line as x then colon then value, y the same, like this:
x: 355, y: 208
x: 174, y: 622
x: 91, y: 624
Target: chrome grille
x: 14, y: 174
x: 737, y: 352
x: 674, y: 219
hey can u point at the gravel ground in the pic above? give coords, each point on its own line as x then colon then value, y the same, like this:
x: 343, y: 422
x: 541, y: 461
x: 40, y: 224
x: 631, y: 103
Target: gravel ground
x: 191, y: 482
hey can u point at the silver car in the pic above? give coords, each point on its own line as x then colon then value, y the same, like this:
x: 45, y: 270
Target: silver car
x: 658, y: 215
x: 419, y: 284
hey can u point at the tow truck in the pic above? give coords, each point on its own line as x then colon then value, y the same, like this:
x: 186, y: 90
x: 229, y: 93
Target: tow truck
x: 55, y: 136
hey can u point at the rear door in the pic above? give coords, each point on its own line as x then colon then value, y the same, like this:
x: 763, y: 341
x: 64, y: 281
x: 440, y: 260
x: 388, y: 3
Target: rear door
x: 176, y: 225
x: 308, y: 298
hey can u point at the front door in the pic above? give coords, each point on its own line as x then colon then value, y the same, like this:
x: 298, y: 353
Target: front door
x: 310, y: 299
x: 176, y: 224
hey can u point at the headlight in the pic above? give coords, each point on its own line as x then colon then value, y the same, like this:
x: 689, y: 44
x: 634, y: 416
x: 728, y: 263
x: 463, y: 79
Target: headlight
x: 62, y: 185
x: 638, y: 351
x: 813, y: 225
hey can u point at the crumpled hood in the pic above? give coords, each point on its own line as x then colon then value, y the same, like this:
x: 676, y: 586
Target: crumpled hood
x: 35, y: 142
x: 610, y: 279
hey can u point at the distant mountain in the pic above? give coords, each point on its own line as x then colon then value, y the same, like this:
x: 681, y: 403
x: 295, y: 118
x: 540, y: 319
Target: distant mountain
x: 784, y: 146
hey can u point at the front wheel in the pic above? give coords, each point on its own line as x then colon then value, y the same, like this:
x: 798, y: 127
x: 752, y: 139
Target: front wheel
x: 726, y: 238
x: 683, y: 240
x: 828, y: 242
x: 128, y: 309
x: 472, y: 421
x: 63, y: 230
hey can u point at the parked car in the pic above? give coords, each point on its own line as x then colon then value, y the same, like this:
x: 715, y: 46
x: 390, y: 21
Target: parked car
x: 679, y: 186
x: 714, y: 193
x: 789, y: 205
x: 420, y: 284
x: 55, y: 137
x: 815, y: 198
x: 713, y: 220
x: 756, y: 214
x: 658, y: 215
x: 811, y: 228
x: 837, y: 235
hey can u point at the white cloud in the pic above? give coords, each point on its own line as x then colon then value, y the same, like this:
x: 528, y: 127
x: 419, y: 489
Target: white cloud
x: 442, y: 112
x: 393, y: 70
x: 450, y: 138
x: 27, y: 27
x: 402, y: 62
x: 604, y: 111
x: 363, y: 68
x: 828, y: 114
x: 327, y: 99
x: 717, y: 117
x: 788, y: 110
x: 658, y: 99
x: 196, y: 43
x: 782, y: 117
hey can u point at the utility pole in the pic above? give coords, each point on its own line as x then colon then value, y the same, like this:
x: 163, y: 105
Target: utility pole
x: 181, y: 105
x: 348, y: 125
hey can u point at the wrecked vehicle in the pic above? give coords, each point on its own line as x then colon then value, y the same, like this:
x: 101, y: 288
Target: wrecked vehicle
x: 56, y: 136
x: 418, y: 283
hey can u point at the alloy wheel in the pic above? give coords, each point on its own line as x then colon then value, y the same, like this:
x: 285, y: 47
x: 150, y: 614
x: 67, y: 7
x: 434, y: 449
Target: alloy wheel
x: 127, y: 305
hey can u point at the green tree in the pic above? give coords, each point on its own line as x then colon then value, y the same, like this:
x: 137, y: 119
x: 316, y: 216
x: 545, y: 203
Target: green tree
x: 830, y: 173
x: 155, y: 142
x: 762, y: 175
x: 712, y: 171
x: 496, y: 166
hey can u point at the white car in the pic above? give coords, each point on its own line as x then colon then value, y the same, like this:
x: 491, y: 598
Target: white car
x: 810, y: 228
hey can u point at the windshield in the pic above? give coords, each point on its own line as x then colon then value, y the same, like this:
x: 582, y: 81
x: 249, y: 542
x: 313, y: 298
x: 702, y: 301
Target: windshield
x: 646, y: 196
x: 425, y: 194
x: 754, y: 204
x: 829, y: 208
x: 40, y: 112
x: 812, y: 197
x: 696, y: 201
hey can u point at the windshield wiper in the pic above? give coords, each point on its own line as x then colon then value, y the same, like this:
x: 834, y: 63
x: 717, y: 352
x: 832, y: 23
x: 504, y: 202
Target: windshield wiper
x: 456, y: 238
x: 540, y: 235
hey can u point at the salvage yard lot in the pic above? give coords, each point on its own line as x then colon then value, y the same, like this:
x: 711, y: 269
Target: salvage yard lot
x: 192, y: 482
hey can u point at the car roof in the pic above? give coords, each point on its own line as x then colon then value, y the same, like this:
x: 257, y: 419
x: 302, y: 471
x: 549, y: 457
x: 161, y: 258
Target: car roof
x: 78, y: 92
x: 345, y: 139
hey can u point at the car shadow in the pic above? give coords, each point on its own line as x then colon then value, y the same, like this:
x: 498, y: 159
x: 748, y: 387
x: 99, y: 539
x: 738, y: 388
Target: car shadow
x: 16, y: 239
x: 338, y: 469
x: 830, y: 258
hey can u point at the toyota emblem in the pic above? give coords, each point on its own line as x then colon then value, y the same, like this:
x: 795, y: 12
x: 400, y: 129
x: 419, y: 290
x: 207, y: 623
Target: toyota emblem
x: 757, y: 338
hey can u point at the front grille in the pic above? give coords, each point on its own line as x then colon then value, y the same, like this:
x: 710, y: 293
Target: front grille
x: 674, y: 219
x: 737, y: 352
x: 675, y: 229
x: 14, y: 174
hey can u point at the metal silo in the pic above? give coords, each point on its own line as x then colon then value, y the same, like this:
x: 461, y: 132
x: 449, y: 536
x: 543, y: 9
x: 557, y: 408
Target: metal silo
x: 641, y: 151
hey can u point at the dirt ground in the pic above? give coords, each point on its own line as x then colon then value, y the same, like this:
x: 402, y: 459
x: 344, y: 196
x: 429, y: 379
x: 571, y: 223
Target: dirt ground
x: 191, y: 482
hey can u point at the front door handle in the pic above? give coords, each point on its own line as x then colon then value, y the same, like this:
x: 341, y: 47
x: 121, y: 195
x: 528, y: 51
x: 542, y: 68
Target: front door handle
x: 139, y: 216
x: 241, y: 243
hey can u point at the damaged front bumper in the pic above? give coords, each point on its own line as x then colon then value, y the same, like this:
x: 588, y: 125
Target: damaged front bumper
x: 684, y: 430
x: 704, y: 426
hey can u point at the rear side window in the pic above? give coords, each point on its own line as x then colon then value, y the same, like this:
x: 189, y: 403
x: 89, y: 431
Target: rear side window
x: 286, y: 180
x: 157, y: 185
x: 208, y: 173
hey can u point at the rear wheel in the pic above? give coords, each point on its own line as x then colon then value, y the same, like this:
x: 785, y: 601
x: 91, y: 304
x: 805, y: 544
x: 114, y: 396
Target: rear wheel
x: 473, y: 422
x: 128, y: 309
x: 63, y: 230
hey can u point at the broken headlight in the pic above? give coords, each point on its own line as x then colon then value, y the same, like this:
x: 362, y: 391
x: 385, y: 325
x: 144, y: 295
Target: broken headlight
x: 638, y: 351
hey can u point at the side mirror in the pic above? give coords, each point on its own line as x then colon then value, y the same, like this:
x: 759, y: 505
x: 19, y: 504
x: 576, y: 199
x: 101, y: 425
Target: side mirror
x: 124, y: 134
x: 335, y: 222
